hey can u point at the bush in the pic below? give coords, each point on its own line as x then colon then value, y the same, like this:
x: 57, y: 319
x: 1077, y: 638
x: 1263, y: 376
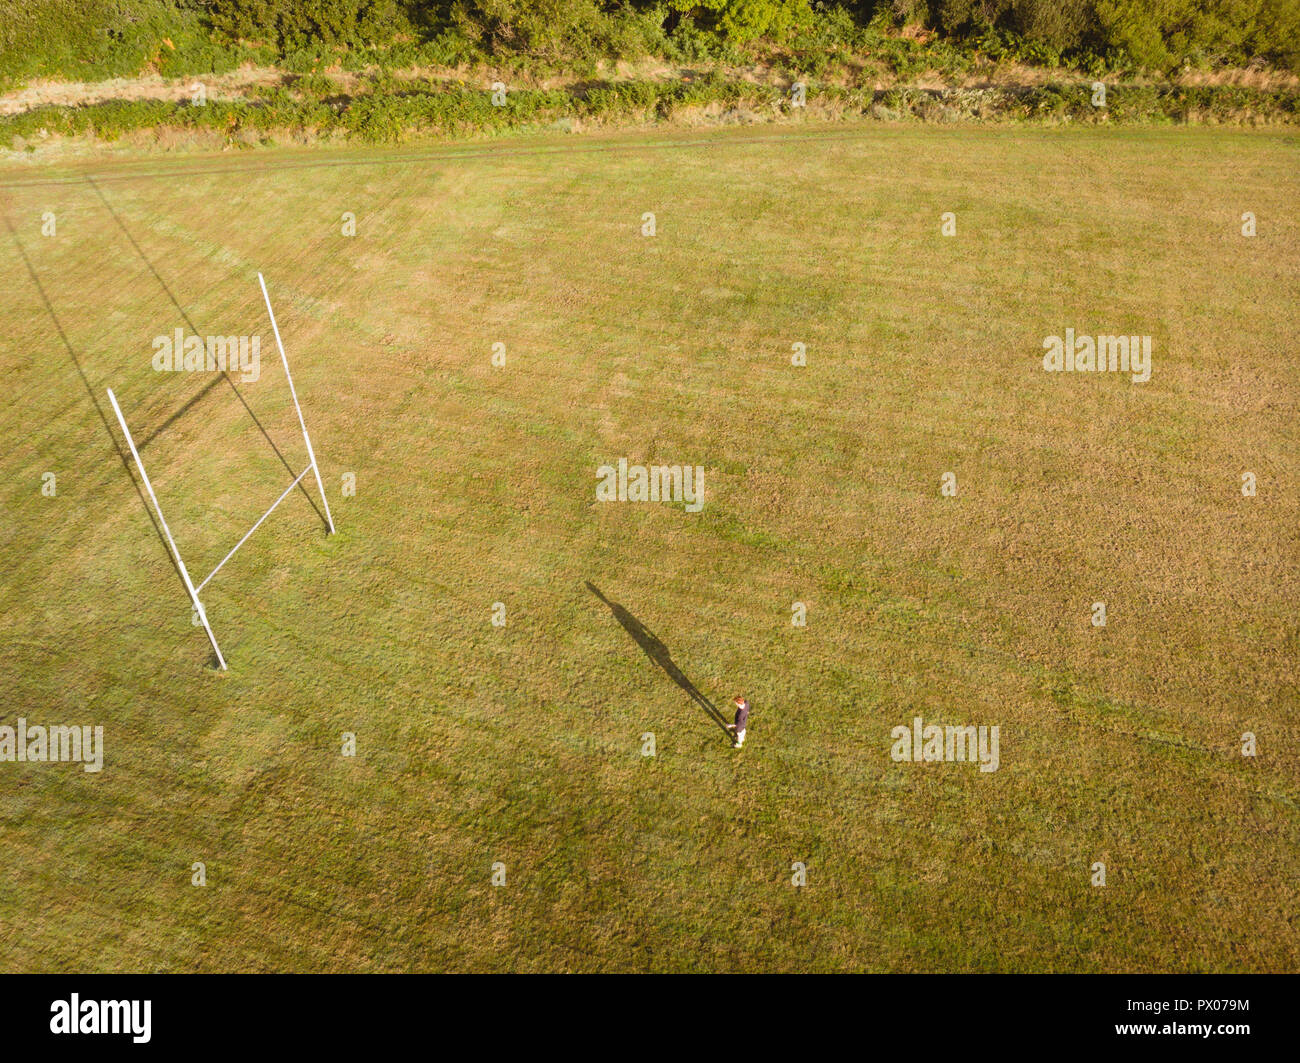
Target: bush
x: 85, y: 39
x: 309, y: 24
x: 96, y: 39
x: 546, y: 30
x: 741, y: 21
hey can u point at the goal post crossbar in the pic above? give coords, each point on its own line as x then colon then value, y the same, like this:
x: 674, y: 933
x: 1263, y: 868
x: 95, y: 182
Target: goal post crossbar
x: 254, y: 528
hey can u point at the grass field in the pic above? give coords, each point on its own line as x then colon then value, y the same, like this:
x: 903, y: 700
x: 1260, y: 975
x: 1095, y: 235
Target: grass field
x: 475, y: 484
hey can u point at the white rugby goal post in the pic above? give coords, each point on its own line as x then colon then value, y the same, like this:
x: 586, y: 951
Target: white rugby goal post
x: 176, y: 554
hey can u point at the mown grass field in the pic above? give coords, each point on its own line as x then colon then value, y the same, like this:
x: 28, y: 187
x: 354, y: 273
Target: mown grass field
x: 475, y: 484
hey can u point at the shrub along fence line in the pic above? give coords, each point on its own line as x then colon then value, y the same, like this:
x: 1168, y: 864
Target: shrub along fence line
x: 407, y: 109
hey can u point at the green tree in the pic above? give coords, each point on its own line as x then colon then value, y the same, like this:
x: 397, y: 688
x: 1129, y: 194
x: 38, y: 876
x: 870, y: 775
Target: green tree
x: 744, y: 20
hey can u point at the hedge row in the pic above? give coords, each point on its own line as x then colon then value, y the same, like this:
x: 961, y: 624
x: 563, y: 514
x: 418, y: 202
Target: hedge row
x: 448, y: 110
x: 97, y: 39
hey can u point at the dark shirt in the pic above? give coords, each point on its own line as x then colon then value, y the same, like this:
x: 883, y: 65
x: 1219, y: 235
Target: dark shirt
x: 742, y: 716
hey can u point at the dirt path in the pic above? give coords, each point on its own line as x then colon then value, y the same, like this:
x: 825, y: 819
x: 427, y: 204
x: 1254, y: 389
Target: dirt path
x: 240, y: 83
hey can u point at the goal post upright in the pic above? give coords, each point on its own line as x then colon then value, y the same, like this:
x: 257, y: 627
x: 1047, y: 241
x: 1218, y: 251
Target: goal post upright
x: 189, y: 585
x: 311, y: 454
x: 312, y: 467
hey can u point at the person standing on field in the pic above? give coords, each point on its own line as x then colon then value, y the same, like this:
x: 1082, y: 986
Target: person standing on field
x: 742, y: 721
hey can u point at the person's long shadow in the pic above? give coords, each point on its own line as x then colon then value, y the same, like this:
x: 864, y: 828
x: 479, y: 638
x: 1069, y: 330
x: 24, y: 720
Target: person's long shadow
x: 658, y: 652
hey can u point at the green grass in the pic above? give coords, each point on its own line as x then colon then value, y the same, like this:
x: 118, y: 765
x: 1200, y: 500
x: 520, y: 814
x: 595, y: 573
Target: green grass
x: 476, y: 485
